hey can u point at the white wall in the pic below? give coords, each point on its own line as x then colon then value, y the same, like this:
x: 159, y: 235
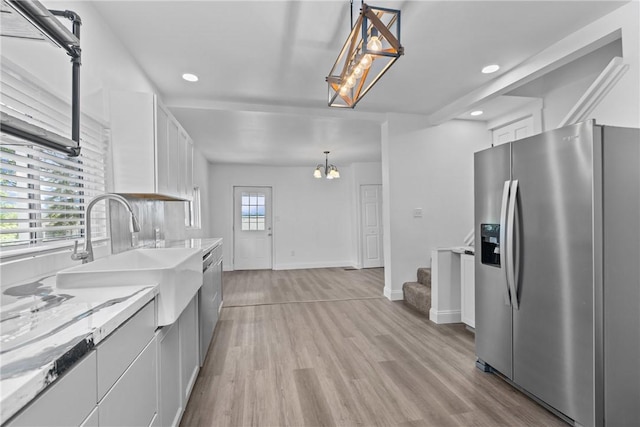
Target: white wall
x: 432, y: 169
x: 311, y: 217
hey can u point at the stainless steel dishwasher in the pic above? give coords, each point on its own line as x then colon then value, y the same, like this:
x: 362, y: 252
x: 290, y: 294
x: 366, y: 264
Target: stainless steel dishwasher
x: 210, y: 297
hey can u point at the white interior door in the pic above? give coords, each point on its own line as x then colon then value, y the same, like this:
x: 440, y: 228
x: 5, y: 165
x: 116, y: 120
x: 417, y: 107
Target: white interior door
x: 252, y: 234
x: 371, y: 224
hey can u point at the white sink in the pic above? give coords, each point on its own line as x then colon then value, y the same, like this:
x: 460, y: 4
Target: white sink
x: 176, y: 271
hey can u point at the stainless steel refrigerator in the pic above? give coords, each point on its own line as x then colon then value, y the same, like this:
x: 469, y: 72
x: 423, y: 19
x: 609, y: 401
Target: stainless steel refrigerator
x: 557, y: 223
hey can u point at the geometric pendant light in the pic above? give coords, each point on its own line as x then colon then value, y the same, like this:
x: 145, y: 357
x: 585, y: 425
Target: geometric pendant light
x: 371, y: 48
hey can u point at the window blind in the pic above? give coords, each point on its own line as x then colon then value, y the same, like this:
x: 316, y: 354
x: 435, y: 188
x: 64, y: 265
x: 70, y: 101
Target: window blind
x: 44, y: 193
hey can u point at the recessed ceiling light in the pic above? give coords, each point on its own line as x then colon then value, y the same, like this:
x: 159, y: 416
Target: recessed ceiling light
x: 190, y: 77
x: 490, y: 69
x: 476, y: 113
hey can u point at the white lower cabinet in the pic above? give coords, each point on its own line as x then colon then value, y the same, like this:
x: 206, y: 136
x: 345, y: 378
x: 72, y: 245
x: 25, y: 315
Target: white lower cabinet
x: 114, y: 385
x: 67, y: 402
x: 132, y: 400
x: 468, y: 289
x: 178, y: 364
x: 169, y: 391
x: 138, y: 376
x: 189, y: 347
x: 127, y: 372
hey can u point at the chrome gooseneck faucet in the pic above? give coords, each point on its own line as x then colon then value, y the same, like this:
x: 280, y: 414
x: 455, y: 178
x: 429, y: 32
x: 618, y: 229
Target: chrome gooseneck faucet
x: 87, y: 254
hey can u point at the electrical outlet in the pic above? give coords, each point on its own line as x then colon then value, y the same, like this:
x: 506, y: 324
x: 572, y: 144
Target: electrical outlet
x: 293, y: 253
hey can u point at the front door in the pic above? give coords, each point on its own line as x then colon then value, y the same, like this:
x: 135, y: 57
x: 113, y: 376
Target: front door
x: 371, y: 207
x: 252, y: 232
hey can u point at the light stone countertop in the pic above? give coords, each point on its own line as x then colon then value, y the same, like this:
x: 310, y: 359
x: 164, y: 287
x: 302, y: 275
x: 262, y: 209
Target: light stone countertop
x: 205, y: 244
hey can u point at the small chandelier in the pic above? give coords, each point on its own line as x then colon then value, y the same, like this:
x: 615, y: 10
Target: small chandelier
x: 371, y: 48
x: 330, y: 171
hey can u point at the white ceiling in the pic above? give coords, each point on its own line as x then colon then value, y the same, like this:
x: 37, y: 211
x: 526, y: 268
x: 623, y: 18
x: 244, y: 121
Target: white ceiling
x: 261, y: 98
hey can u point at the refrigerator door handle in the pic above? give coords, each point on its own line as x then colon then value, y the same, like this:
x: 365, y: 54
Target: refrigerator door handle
x: 510, y: 258
x: 503, y: 238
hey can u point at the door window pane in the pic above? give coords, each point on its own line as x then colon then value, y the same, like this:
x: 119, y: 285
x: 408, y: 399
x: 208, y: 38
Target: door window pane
x: 253, y: 211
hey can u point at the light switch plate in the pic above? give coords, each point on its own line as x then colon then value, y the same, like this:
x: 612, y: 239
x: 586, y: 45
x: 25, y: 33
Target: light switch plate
x: 417, y: 213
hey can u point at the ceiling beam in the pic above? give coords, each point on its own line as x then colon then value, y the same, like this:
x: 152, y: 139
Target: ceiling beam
x: 200, y: 104
x: 572, y: 47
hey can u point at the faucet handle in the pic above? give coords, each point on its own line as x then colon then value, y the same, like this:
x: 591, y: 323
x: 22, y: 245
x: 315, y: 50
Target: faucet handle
x: 79, y: 256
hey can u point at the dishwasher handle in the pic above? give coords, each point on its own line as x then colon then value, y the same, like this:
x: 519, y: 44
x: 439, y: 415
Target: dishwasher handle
x: 207, y: 261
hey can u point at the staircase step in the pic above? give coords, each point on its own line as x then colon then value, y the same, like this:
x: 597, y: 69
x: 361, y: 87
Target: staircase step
x: 424, y: 276
x: 417, y: 296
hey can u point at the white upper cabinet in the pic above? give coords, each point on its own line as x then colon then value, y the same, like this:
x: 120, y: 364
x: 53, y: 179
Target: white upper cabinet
x: 152, y: 153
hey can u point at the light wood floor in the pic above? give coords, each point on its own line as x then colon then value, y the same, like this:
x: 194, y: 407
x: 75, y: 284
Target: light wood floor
x: 321, y: 284
x: 349, y: 362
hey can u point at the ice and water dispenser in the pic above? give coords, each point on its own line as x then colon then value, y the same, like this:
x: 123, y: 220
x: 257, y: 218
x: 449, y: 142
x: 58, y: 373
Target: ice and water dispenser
x: 490, y: 244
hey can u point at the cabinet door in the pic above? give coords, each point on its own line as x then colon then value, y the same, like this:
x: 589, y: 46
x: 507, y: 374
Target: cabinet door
x: 467, y: 281
x: 182, y: 163
x: 162, y: 150
x: 206, y: 312
x: 133, y: 400
x: 189, y: 347
x: 133, y: 131
x: 173, y: 167
x: 169, y: 390
x: 189, y: 170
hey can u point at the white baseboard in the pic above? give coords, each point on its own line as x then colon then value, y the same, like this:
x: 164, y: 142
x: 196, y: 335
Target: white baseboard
x: 304, y: 265
x: 445, y: 316
x: 393, y: 295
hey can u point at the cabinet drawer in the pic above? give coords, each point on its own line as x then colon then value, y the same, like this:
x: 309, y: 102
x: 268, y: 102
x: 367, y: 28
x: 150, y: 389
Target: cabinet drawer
x: 117, y: 352
x: 132, y: 401
x: 67, y: 402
